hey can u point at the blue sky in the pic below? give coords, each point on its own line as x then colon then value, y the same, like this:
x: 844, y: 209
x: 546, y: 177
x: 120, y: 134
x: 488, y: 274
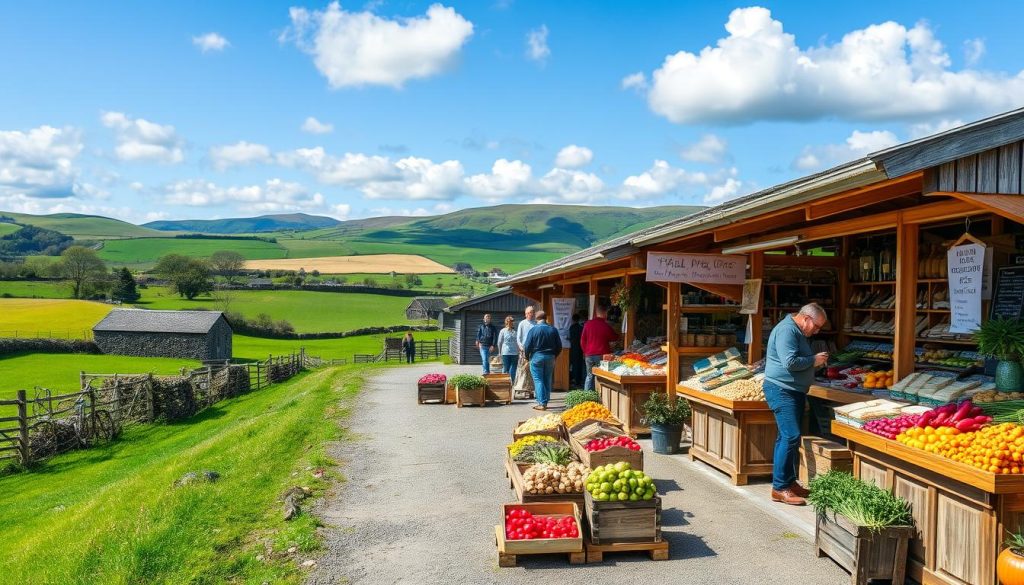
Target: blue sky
x: 196, y: 109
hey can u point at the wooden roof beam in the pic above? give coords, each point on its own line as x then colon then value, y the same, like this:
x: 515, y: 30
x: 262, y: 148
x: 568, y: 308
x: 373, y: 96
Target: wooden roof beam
x: 865, y: 197
x: 759, y: 224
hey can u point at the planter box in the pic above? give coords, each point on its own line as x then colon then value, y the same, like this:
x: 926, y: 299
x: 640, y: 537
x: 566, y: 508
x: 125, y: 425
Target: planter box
x: 449, y: 393
x: 818, y: 456
x: 866, y: 554
x: 620, y: 522
x: 499, y: 388
x: 609, y: 455
x: 475, y: 397
x: 509, y: 549
x: 425, y: 392
x: 555, y: 433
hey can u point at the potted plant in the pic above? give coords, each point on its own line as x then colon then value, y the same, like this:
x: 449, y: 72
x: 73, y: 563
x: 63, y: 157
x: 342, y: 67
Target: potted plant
x: 1010, y: 564
x: 1003, y: 339
x: 469, y: 389
x: 666, y: 420
x: 863, y: 527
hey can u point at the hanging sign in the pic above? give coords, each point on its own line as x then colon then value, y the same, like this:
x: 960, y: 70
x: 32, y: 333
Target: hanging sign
x: 1008, y: 300
x: 751, y: 296
x: 965, y: 272
x: 561, y: 309
x: 707, y: 268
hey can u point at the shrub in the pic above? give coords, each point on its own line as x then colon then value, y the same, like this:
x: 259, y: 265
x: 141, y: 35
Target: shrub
x: 577, y: 397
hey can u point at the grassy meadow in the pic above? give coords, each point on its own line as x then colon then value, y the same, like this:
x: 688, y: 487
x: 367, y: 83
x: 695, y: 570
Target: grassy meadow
x: 61, y: 318
x: 29, y: 289
x: 117, y: 517
x: 144, y: 252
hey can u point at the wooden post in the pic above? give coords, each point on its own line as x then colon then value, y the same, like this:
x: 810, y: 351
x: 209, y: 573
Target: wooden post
x: 906, y: 297
x: 630, y: 334
x: 754, y: 345
x: 562, y: 361
x: 672, y: 338
x: 23, y: 442
x: 592, y: 291
x: 150, y: 398
x: 116, y: 414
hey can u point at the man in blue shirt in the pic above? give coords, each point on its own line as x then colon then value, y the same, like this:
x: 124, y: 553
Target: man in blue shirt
x: 543, y: 344
x: 486, y: 339
x: 788, y: 375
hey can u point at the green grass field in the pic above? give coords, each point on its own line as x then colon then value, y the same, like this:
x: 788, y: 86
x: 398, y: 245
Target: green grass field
x: 111, y: 514
x: 85, y: 227
x: 8, y: 228
x: 61, y: 318
x: 247, y: 348
x: 42, y: 289
x: 144, y: 252
x: 59, y: 372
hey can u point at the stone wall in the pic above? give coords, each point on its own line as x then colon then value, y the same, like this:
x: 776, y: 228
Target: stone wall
x: 176, y: 345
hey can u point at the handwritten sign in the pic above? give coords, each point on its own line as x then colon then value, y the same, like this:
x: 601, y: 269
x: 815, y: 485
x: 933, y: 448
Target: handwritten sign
x: 751, y: 296
x: 708, y: 268
x: 562, y: 308
x: 1008, y: 300
x: 966, y: 275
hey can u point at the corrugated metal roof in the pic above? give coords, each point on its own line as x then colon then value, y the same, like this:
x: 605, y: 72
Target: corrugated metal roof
x: 151, y: 321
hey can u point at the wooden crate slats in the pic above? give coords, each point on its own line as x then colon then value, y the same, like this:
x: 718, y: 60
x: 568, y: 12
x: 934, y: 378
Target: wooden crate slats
x: 623, y: 522
x: 433, y: 392
x: 865, y: 553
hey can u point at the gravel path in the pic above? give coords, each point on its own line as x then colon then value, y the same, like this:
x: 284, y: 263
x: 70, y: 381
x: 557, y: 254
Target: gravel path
x: 424, y: 489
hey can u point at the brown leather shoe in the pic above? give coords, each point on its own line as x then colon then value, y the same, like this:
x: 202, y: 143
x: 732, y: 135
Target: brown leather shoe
x: 787, y: 496
x: 799, y: 490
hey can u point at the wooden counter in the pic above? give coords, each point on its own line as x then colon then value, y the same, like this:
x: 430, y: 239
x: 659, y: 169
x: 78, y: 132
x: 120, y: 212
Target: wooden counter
x: 839, y: 395
x: 625, y: 397
x: 737, y: 437
x: 961, y: 512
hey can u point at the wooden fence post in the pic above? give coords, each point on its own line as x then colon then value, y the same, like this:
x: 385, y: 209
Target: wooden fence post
x: 23, y: 428
x: 116, y: 415
x: 150, y: 398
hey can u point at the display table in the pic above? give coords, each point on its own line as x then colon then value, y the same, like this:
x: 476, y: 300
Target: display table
x: 962, y: 513
x: 737, y: 437
x: 838, y: 395
x: 625, y: 396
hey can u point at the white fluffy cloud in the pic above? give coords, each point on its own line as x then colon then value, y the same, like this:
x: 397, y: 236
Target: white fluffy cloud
x: 709, y: 149
x: 507, y: 179
x: 239, y: 154
x: 637, y: 81
x: 210, y: 41
x: 39, y: 163
x: 574, y: 157
x: 361, y: 48
x: 420, y: 179
x: 142, y: 140
x: 974, y: 49
x: 856, y: 145
x: 660, y: 180
x: 884, y: 71
x: 571, y: 186
x: 928, y: 128
x: 537, y: 44
x: 314, y: 126
x: 349, y: 169
x: 275, y: 195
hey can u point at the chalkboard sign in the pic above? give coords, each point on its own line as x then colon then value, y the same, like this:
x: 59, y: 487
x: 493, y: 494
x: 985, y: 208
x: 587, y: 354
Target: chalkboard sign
x: 1008, y: 299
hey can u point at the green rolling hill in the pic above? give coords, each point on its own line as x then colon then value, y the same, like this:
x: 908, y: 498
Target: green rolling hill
x: 246, y: 225
x: 84, y: 227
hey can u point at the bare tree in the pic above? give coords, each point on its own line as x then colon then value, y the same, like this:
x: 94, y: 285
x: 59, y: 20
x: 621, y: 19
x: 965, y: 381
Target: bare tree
x: 227, y: 263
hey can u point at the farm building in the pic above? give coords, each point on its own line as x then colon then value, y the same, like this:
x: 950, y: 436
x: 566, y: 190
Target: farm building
x: 464, y: 318
x: 201, y: 335
x: 425, y: 308
x: 260, y: 283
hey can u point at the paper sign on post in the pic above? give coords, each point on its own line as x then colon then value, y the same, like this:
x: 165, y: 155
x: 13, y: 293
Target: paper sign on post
x: 965, y: 272
x: 707, y: 268
x: 562, y: 307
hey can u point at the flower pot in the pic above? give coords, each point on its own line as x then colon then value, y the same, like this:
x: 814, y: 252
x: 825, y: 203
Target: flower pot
x: 1009, y: 376
x: 666, y: 438
x: 1010, y: 568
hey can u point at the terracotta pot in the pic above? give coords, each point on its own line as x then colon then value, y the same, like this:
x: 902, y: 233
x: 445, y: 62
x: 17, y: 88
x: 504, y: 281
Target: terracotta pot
x: 1010, y: 568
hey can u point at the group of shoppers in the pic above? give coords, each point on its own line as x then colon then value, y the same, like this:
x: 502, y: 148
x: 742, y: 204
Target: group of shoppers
x: 534, y: 344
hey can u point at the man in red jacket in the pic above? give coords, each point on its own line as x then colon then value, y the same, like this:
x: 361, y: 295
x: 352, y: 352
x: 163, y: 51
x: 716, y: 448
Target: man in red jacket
x: 596, y: 341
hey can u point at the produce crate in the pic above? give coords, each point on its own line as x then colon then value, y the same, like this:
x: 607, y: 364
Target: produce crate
x: 509, y: 550
x: 612, y: 424
x: 515, y: 475
x: 433, y: 392
x: 499, y: 388
x: 866, y: 553
x: 819, y: 456
x: 658, y: 551
x: 610, y: 455
x: 554, y: 433
x: 623, y: 522
x: 475, y: 397
x: 596, y: 430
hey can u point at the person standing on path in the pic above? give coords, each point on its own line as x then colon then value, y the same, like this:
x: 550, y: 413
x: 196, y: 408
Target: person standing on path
x: 788, y: 375
x: 486, y: 339
x: 509, y: 348
x: 596, y: 341
x: 543, y: 344
x: 523, y: 387
x: 577, y: 364
x: 409, y: 347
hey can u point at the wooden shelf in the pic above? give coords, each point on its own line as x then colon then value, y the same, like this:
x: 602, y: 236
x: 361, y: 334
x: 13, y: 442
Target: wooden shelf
x: 598, y: 372
x: 876, y: 283
x: 867, y: 310
x: 718, y: 401
x: 708, y: 308
x: 868, y: 335
x: 695, y: 350
x: 949, y: 341
x: 838, y: 394
x: 945, y: 311
x: 932, y: 280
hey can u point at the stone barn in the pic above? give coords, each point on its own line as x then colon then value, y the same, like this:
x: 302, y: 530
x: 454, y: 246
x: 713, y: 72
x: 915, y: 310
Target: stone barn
x: 200, y: 335
x: 425, y: 308
x: 464, y: 318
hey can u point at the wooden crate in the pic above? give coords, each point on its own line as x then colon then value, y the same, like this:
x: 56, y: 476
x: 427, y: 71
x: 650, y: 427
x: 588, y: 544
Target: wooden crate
x: 609, y: 455
x: 509, y: 550
x: 432, y: 392
x: 449, y: 393
x: 623, y: 522
x: 555, y: 433
x: 614, y: 425
x: 499, y: 388
x: 658, y: 551
x: 474, y: 397
x: 515, y: 475
x: 819, y: 456
x: 867, y: 554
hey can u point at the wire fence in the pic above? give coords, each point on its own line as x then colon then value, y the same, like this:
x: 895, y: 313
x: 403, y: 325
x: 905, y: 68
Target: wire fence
x: 85, y: 334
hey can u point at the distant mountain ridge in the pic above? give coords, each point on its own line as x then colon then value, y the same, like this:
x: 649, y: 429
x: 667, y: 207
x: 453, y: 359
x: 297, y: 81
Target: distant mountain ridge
x: 246, y: 225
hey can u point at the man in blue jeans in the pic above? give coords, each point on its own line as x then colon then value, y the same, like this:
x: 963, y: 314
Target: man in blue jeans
x: 788, y: 375
x: 543, y: 344
x: 486, y: 339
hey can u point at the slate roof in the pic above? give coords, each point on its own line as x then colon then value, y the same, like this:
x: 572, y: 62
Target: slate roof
x: 429, y: 303
x: 149, y: 321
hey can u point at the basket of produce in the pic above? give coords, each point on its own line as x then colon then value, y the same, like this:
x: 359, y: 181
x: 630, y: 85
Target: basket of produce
x: 583, y: 414
x: 524, y: 448
x: 595, y: 429
x: 551, y: 476
x: 622, y: 505
x: 539, y: 528
x: 743, y: 390
x: 545, y: 424
x: 431, y: 388
x: 602, y: 451
x: 469, y: 389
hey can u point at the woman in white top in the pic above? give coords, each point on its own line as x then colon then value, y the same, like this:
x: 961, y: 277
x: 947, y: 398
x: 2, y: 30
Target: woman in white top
x: 523, y: 385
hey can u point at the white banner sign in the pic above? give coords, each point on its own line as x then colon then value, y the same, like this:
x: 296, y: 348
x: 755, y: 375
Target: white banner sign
x: 708, y: 268
x: 562, y: 308
x: 965, y: 271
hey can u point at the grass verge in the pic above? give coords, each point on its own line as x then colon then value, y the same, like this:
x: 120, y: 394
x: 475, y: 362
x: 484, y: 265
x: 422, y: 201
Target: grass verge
x: 111, y: 514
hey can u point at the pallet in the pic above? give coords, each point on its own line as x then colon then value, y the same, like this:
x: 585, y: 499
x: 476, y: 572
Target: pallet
x: 658, y: 551
x: 506, y: 559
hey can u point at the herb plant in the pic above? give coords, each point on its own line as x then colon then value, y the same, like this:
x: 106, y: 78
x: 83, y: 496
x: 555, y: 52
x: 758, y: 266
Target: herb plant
x: 862, y: 503
x: 658, y: 410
